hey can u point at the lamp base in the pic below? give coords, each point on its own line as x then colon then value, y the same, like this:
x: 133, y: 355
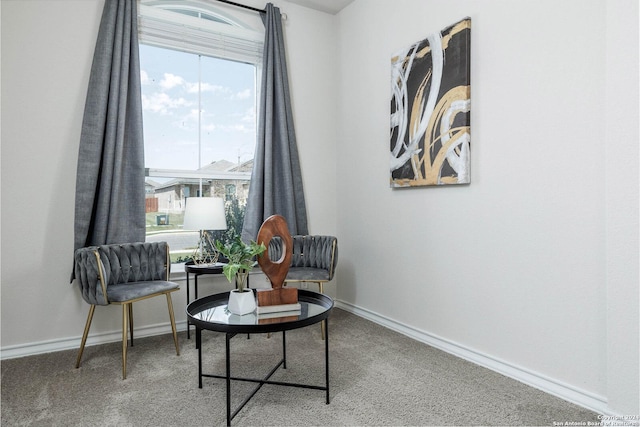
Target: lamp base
x: 205, y: 259
x: 205, y: 253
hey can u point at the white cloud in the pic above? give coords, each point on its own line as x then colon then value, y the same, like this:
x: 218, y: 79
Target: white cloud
x: 206, y: 87
x: 237, y: 128
x: 189, y: 120
x: 144, y: 77
x: 245, y: 94
x: 162, y: 103
x: 170, y: 81
x: 249, y: 116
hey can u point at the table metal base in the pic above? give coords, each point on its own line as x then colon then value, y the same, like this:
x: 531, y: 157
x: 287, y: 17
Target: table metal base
x: 260, y: 382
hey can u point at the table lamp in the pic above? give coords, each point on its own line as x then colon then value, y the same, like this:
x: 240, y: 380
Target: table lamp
x: 204, y: 214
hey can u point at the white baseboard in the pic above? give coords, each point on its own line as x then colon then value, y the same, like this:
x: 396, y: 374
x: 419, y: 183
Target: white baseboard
x: 554, y: 387
x: 539, y: 381
x: 30, y: 349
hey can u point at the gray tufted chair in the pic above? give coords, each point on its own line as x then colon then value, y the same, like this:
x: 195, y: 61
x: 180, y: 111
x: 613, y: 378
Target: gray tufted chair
x: 314, y: 260
x: 124, y: 274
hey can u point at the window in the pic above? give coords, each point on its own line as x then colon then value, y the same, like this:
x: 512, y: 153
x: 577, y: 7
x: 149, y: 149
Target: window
x: 198, y: 71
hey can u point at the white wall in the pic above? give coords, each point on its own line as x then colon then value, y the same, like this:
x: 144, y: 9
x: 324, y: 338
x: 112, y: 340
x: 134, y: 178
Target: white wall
x: 621, y: 199
x: 511, y: 271
x: 532, y: 267
x: 47, y: 49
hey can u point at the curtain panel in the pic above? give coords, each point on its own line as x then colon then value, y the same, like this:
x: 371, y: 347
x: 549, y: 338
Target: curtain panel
x: 110, y: 173
x: 276, y: 181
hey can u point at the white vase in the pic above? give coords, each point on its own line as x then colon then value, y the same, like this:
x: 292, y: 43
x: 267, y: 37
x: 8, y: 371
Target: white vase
x: 241, y: 302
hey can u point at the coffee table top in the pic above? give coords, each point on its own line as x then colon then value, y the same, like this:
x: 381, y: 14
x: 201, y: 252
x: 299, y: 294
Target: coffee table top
x: 211, y: 313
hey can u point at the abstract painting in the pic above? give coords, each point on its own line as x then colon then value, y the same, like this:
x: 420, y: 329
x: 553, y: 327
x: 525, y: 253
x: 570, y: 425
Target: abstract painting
x: 431, y: 109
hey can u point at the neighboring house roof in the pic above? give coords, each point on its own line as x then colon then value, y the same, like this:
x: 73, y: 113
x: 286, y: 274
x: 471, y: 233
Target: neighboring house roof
x: 243, y: 167
x: 216, y: 166
x: 152, y: 183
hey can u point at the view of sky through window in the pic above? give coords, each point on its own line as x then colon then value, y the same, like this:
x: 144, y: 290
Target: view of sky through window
x: 177, y: 88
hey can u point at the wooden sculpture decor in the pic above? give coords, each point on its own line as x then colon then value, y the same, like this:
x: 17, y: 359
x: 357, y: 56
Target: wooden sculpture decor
x: 276, y: 270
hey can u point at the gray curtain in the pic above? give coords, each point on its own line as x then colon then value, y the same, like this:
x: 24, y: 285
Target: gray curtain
x: 276, y: 181
x: 110, y: 176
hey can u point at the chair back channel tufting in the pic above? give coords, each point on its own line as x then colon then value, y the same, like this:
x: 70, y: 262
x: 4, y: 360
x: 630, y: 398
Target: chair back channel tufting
x: 98, y: 267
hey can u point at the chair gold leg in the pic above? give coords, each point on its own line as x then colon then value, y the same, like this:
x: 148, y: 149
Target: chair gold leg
x: 173, y: 323
x: 131, y: 323
x: 85, y: 334
x: 125, y: 310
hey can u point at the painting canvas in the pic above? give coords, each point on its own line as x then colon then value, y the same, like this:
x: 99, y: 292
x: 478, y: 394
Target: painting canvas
x: 430, y: 110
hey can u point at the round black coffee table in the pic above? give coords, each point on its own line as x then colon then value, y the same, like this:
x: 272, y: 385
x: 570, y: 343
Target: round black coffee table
x: 211, y: 313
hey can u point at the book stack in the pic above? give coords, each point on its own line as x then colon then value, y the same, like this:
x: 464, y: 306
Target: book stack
x: 279, y: 308
x: 278, y: 313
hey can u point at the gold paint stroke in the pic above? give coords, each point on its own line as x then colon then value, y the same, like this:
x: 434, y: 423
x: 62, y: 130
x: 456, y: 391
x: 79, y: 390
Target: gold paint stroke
x: 432, y: 135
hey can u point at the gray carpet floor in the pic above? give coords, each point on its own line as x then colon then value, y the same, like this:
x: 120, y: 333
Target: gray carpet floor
x: 378, y: 378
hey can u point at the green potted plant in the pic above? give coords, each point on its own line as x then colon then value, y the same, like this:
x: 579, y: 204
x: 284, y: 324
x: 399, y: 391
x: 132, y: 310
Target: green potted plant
x: 240, y: 260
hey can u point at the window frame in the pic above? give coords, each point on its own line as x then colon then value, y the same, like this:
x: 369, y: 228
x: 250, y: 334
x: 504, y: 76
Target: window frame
x: 159, y: 25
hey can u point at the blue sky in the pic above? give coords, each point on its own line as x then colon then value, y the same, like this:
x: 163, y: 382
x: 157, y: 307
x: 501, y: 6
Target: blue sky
x: 170, y: 109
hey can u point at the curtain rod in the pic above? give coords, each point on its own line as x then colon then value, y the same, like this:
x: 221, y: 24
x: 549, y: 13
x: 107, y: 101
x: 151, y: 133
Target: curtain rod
x: 242, y: 6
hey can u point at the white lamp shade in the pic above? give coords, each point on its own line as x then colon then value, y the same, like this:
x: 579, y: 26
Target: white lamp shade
x: 204, y: 213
